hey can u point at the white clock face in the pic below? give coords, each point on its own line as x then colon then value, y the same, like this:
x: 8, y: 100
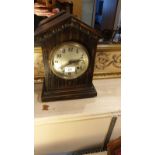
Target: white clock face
x: 69, y: 60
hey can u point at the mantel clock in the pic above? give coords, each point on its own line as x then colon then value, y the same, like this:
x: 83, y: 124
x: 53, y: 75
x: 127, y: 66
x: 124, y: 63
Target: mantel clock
x: 69, y: 48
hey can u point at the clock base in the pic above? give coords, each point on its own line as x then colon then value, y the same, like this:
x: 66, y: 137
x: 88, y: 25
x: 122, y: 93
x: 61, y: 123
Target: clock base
x: 74, y: 93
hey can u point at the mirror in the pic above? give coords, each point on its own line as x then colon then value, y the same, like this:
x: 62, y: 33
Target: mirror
x: 103, y: 15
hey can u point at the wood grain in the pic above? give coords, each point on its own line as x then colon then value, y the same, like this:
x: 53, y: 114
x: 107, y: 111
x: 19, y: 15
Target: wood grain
x: 54, y: 31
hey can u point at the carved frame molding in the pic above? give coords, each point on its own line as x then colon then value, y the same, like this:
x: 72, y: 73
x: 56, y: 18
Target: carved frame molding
x: 108, y: 61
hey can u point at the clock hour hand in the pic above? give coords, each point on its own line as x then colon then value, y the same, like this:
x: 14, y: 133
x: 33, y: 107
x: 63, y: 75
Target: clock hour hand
x: 74, y: 61
x: 71, y: 62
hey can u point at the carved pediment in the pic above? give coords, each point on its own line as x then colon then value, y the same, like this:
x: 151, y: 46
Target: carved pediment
x: 59, y: 23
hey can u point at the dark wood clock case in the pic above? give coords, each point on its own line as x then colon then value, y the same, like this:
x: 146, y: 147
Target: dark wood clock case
x: 53, y: 31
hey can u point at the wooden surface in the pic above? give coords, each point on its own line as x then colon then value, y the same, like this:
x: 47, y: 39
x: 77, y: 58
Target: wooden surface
x: 106, y: 103
x: 114, y: 147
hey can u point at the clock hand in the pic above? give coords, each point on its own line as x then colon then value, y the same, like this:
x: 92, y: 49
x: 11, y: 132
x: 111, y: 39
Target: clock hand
x: 75, y: 61
x: 71, y: 62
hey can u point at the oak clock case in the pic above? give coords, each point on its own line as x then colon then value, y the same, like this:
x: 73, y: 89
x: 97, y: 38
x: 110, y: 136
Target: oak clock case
x: 69, y: 48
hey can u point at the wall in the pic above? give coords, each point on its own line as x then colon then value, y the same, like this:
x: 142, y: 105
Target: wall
x: 118, y: 16
x: 87, y: 11
x: 109, y: 12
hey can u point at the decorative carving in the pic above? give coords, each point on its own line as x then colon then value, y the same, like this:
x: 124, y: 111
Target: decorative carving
x: 108, y: 62
x: 117, y: 60
x: 104, y: 60
x: 69, y: 22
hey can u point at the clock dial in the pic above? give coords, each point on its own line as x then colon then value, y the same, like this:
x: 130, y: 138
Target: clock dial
x: 69, y: 60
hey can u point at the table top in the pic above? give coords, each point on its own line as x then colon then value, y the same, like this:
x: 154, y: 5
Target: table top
x: 107, y: 103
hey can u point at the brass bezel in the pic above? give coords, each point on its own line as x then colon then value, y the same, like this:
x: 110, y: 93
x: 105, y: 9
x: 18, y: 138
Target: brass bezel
x: 54, y: 50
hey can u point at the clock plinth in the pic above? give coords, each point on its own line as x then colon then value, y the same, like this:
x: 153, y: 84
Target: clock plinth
x: 70, y: 93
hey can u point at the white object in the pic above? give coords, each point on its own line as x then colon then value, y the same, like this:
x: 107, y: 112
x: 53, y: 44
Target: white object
x: 76, y: 124
x: 69, y: 69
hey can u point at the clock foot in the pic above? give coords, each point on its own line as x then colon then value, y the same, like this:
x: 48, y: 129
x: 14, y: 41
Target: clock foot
x: 70, y: 93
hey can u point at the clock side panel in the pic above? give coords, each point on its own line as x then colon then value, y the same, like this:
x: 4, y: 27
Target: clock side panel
x: 90, y: 43
x: 75, y: 35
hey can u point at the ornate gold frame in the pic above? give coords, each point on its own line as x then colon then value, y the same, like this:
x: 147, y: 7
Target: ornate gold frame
x: 107, y: 62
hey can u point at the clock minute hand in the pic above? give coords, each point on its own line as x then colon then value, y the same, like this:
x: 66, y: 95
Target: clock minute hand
x: 74, y: 61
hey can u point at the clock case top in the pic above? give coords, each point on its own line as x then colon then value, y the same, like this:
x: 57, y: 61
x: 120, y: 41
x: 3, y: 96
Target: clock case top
x: 54, y: 31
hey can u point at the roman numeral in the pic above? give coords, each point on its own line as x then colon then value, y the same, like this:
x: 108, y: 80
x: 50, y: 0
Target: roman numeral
x: 58, y: 55
x: 70, y: 49
x: 63, y: 51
